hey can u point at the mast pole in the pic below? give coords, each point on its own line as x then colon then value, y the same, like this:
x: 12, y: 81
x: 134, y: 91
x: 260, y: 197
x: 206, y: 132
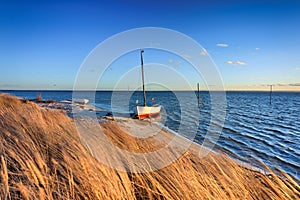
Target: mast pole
x: 142, y: 64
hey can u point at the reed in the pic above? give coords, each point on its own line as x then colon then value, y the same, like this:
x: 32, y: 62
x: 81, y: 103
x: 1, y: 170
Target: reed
x: 42, y: 157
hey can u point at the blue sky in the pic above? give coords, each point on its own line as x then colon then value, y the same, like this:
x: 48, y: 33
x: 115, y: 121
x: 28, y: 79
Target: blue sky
x: 253, y: 44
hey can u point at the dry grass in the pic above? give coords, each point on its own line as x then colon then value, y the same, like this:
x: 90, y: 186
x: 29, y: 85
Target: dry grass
x: 42, y: 157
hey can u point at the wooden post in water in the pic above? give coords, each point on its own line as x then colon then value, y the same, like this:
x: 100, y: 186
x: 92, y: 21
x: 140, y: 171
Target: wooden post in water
x: 271, y: 88
x: 198, y: 94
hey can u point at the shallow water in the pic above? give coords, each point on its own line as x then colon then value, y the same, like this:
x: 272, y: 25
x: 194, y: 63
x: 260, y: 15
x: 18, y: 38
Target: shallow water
x: 253, y: 128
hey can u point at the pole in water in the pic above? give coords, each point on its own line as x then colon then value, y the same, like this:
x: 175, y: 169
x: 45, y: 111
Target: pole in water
x: 198, y: 94
x: 271, y: 88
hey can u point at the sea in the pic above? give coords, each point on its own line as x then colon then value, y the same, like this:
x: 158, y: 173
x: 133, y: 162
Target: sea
x: 251, y: 127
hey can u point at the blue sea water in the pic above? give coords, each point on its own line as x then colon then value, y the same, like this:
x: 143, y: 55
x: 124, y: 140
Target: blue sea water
x: 253, y: 128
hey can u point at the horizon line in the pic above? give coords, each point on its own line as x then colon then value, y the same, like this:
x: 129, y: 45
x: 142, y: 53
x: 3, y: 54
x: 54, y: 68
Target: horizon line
x: 125, y: 90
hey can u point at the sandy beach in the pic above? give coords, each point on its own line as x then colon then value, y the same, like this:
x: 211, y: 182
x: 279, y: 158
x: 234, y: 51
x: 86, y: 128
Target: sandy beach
x: 44, y: 155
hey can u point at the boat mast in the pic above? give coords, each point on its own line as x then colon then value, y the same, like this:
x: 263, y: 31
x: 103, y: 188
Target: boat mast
x: 142, y: 64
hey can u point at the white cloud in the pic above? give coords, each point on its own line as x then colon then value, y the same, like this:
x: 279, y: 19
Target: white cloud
x: 297, y: 68
x: 257, y: 48
x: 170, y: 60
x: 187, y: 56
x: 203, y: 52
x: 240, y: 63
x: 222, y: 45
x: 294, y: 84
x: 283, y: 84
x: 235, y: 63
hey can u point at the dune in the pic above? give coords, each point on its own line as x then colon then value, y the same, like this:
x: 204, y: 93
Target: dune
x: 42, y: 156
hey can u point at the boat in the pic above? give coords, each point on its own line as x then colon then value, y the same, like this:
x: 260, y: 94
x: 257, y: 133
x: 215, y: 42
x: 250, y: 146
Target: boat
x: 81, y: 101
x: 145, y: 111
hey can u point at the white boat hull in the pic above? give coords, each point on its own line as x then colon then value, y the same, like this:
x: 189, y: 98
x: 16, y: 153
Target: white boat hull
x: 147, y: 111
x: 81, y: 101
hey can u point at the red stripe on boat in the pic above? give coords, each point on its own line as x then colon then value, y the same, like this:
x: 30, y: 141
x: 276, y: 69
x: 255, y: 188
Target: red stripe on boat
x: 143, y: 116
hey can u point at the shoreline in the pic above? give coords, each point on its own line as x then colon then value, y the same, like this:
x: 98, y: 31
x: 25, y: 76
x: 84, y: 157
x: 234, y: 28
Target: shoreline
x: 72, y: 109
x: 42, y: 154
x: 75, y: 108
x: 248, y: 166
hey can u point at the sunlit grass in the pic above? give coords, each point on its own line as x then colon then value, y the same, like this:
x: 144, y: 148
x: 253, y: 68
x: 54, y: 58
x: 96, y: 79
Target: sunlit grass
x: 42, y: 157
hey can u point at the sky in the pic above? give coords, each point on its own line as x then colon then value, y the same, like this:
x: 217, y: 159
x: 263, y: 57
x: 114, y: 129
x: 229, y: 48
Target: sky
x: 253, y: 44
